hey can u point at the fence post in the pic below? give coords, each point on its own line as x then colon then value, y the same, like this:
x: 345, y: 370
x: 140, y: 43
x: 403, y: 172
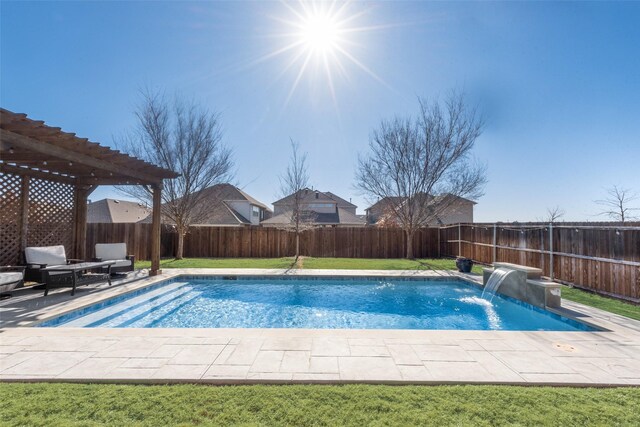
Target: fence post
x: 494, y: 243
x: 551, y: 250
x: 459, y: 241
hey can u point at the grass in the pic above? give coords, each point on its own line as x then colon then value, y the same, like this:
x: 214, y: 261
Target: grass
x: 42, y: 404
x: 308, y: 262
x: 221, y: 263
x: 383, y: 264
x: 603, y: 303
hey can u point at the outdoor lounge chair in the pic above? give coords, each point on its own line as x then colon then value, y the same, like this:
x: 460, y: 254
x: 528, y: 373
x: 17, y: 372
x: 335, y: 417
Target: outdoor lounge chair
x: 115, y: 252
x: 38, y: 258
x: 10, y: 278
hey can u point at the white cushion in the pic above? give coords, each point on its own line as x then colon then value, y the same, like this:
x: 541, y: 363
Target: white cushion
x: 56, y: 273
x: 122, y: 263
x: 50, y: 255
x: 10, y: 277
x: 111, y: 251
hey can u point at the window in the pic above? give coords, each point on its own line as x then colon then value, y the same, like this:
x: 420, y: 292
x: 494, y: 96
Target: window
x: 320, y: 205
x: 255, y: 211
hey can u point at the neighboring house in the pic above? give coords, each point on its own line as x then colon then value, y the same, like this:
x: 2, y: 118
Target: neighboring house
x: 228, y: 206
x: 323, y: 208
x: 117, y: 211
x: 381, y: 212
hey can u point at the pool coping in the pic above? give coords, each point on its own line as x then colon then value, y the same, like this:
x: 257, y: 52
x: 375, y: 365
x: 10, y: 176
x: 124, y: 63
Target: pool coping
x: 249, y: 356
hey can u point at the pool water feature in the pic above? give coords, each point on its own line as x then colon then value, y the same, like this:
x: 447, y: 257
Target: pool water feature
x: 307, y: 302
x: 495, y: 280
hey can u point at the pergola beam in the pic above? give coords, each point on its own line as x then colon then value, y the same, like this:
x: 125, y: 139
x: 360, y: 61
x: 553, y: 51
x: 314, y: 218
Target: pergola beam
x: 55, y: 151
x: 97, y: 180
x: 15, y: 170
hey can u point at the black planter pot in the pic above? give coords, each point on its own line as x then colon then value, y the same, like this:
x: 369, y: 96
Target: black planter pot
x: 464, y: 264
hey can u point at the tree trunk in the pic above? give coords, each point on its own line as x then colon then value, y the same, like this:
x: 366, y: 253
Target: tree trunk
x: 180, y: 248
x: 297, y: 245
x: 409, y: 235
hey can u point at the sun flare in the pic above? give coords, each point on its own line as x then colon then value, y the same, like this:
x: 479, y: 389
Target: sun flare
x: 321, y: 38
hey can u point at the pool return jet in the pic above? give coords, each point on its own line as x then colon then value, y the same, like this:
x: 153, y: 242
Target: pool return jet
x: 522, y: 283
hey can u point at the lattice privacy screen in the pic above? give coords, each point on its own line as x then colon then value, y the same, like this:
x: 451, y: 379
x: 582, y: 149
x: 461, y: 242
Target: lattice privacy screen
x: 50, y: 216
x: 9, y: 219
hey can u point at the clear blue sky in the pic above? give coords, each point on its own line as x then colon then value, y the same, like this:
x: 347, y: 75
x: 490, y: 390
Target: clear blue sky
x: 558, y: 82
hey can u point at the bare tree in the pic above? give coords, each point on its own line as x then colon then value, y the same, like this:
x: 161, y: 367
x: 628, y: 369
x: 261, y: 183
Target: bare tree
x: 186, y: 138
x: 554, y: 214
x: 422, y: 166
x: 293, y: 188
x: 617, y: 205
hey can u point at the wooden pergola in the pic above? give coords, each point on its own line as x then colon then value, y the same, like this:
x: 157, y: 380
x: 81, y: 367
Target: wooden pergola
x: 46, y: 177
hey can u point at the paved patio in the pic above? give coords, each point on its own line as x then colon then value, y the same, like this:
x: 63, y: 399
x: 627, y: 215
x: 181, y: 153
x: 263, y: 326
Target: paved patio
x: 223, y: 356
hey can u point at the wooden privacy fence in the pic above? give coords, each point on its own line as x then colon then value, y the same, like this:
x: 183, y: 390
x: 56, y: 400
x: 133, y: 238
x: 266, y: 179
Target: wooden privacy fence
x: 265, y: 242
x: 604, y: 258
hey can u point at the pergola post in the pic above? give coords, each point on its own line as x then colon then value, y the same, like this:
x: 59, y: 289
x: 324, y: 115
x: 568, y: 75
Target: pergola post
x: 24, y: 212
x: 82, y: 193
x: 155, y: 230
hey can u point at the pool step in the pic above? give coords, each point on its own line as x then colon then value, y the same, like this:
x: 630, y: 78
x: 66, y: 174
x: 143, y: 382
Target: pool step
x: 118, y: 309
x: 159, y: 305
x: 149, y: 318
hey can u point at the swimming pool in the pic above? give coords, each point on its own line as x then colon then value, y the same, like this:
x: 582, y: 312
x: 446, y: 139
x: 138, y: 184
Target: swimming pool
x: 308, y: 302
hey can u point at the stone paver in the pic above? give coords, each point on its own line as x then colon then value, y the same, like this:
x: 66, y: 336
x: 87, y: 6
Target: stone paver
x: 608, y: 357
x: 227, y: 371
x: 197, y: 355
x: 368, y: 369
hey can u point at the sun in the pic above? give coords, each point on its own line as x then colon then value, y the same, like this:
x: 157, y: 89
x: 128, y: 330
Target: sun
x: 319, y: 39
x: 320, y: 33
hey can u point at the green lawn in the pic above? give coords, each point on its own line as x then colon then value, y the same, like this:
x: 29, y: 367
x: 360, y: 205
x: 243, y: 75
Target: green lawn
x: 308, y: 262
x: 383, y: 264
x: 314, y: 405
x: 221, y: 263
x: 603, y: 303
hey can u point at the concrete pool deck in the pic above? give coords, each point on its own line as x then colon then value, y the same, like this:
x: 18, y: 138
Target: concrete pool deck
x: 225, y: 356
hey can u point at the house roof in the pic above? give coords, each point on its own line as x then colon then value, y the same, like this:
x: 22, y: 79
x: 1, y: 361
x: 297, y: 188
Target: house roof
x: 340, y: 217
x: 384, y: 202
x: 223, y: 214
x: 311, y: 196
x: 220, y: 210
x: 342, y: 203
x: 347, y: 217
x: 461, y: 199
x: 253, y: 201
x: 229, y: 192
x: 117, y: 211
x: 395, y: 199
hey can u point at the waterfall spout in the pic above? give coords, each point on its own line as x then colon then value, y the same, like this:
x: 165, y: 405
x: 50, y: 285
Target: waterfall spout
x: 495, y: 280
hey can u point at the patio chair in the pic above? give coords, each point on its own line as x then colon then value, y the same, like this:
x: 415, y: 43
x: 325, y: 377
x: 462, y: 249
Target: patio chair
x: 10, y: 278
x: 38, y: 258
x: 115, y: 252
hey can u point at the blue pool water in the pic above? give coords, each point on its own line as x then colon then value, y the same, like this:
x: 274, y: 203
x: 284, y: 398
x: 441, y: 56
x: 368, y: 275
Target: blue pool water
x: 320, y: 303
